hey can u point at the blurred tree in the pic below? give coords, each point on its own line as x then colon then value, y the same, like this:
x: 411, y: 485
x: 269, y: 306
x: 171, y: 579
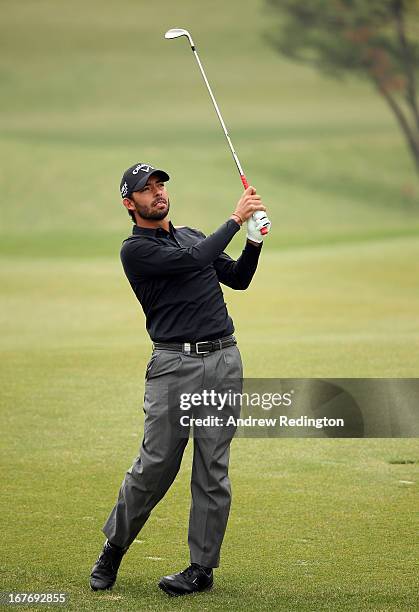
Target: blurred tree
x: 376, y: 39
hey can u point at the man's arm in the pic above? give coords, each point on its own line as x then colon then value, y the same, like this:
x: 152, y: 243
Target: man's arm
x: 238, y: 274
x: 144, y: 258
x: 147, y: 259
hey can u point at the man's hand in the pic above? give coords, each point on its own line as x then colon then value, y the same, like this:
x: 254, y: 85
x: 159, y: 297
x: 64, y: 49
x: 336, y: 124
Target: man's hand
x: 248, y: 204
x: 254, y: 227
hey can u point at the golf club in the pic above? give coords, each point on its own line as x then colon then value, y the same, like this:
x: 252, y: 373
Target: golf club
x: 176, y: 33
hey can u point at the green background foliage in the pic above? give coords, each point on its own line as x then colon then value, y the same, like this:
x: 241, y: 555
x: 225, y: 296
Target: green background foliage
x: 376, y: 40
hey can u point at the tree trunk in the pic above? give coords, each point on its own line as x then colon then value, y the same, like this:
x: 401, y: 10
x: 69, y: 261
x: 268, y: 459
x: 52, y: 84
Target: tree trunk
x: 411, y: 97
x: 412, y: 139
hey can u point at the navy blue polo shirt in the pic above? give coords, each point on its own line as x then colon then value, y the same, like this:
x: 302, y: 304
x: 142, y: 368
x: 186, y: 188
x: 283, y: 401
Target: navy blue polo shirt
x: 176, y: 277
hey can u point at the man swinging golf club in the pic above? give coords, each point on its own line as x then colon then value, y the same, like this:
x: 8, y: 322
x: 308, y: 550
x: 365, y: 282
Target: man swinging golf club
x: 175, y: 272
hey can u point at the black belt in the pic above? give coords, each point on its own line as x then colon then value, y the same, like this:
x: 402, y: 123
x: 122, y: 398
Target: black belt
x: 197, y: 348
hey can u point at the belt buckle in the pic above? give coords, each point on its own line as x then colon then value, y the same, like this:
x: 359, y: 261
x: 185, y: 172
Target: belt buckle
x: 198, y: 352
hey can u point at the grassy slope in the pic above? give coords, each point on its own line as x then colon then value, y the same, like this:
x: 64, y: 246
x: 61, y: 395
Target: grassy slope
x: 336, y: 530
x: 86, y: 92
x: 80, y: 102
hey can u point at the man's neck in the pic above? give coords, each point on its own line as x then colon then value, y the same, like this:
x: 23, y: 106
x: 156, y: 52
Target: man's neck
x: 150, y: 223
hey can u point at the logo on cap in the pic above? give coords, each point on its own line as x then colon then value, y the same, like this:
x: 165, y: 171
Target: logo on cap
x: 143, y: 167
x: 124, y: 189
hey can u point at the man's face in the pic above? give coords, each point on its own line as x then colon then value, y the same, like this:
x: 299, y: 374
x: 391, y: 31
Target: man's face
x: 152, y: 201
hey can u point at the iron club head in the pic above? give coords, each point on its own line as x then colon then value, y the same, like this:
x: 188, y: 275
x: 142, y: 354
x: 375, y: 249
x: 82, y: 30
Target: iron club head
x: 177, y: 32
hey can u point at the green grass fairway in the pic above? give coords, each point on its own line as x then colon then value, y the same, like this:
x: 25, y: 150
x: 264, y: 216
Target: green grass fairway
x: 88, y: 88
x: 315, y: 524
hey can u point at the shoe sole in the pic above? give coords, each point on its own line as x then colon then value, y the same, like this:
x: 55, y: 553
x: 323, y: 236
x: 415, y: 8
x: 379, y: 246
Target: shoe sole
x: 108, y: 588
x: 171, y: 593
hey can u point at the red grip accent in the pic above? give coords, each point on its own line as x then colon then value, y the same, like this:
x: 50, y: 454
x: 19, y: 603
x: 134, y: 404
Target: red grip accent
x: 264, y: 230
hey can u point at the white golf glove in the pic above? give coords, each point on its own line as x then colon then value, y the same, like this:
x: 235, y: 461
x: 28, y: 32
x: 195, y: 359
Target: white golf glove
x: 254, y: 226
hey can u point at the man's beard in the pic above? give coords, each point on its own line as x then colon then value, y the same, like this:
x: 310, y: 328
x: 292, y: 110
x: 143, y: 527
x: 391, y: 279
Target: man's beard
x: 152, y: 215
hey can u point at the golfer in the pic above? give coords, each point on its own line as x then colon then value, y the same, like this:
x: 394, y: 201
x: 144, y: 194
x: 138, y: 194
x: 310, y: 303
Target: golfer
x: 175, y: 273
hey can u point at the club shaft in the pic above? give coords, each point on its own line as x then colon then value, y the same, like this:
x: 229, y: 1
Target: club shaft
x: 258, y: 214
x: 223, y: 125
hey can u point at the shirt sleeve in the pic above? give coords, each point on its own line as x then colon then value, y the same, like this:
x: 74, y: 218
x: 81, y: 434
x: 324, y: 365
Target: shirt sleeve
x: 238, y: 274
x: 145, y: 258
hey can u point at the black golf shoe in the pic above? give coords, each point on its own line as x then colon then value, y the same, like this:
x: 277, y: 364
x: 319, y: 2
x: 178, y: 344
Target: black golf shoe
x: 105, y: 569
x: 193, y: 579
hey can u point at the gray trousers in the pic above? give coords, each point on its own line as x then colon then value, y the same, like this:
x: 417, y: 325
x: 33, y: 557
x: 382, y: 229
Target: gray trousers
x: 153, y: 471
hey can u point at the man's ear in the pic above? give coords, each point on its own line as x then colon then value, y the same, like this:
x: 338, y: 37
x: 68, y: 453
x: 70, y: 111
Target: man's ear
x: 129, y: 204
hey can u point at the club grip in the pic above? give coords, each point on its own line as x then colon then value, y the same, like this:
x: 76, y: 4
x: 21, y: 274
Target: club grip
x: 263, y: 230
